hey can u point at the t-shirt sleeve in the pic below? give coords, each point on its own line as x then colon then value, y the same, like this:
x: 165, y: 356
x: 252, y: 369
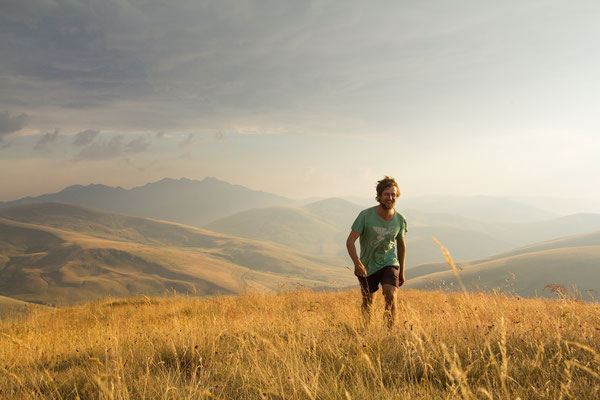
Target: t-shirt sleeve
x: 359, y: 223
x: 403, y: 228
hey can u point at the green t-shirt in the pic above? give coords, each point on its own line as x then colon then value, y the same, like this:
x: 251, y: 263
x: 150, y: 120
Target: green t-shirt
x: 378, y: 238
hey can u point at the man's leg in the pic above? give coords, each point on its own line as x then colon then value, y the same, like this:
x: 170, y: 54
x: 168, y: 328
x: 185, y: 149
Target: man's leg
x: 390, y: 294
x: 367, y: 304
x: 367, y: 299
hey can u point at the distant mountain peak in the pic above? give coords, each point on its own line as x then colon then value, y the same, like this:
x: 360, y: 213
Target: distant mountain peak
x: 182, y: 200
x: 332, y: 202
x: 188, y: 181
x: 92, y: 186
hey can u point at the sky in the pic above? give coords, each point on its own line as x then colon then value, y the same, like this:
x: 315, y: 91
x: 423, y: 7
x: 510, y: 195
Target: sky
x: 302, y: 98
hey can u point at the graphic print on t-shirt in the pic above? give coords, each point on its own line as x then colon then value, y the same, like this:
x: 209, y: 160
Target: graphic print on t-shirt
x: 381, y: 232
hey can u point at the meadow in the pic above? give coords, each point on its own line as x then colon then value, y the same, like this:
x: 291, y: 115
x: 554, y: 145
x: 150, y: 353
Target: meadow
x: 305, y: 345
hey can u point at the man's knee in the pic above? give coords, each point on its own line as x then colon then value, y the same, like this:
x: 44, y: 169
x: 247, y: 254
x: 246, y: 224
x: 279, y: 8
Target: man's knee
x: 390, y: 293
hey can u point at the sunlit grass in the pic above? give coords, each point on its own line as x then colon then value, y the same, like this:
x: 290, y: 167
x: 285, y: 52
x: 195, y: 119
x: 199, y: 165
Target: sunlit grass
x: 305, y: 345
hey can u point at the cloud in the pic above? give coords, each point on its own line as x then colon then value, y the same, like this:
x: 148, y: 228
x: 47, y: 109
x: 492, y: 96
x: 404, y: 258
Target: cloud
x: 293, y: 67
x: 69, y: 43
x: 112, y: 148
x: 10, y: 124
x: 47, y: 140
x: 103, y: 150
x: 137, y: 145
x: 84, y: 138
x: 188, y: 141
x: 220, y: 136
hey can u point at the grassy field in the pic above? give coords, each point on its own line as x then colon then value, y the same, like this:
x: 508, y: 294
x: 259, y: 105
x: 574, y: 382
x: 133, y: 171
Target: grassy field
x: 305, y: 345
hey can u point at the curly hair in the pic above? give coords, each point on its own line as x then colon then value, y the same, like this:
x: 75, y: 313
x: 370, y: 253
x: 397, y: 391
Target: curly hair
x: 385, y: 183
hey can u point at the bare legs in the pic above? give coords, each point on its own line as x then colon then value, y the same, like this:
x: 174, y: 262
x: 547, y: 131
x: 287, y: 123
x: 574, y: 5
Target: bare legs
x: 367, y: 306
x: 390, y: 294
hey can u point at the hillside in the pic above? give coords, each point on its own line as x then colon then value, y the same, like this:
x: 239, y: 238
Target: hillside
x: 186, y: 201
x: 59, y: 253
x: 305, y: 345
x: 482, y: 208
x: 469, y: 239
x: 318, y: 228
x: 473, y: 227
x: 585, y: 239
x: 10, y: 307
x: 554, y: 228
x: 321, y: 229
x: 572, y: 262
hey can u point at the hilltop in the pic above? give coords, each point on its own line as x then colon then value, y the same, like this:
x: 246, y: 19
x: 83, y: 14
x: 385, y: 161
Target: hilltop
x: 10, y: 307
x: 317, y: 228
x: 186, y: 201
x: 321, y: 228
x: 305, y: 345
x: 572, y: 262
x: 472, y: 227
x: 61, y: 253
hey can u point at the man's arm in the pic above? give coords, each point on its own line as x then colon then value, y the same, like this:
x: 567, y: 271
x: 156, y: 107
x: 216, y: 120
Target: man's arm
x: 401, y: 247
x: 359, y: 268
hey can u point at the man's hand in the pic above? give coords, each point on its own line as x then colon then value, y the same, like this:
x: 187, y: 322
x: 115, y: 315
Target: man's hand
x: 401, y: 279
x: 359, y: 269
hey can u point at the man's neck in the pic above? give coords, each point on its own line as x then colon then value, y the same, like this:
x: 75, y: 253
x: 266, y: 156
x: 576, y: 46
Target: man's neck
x: 385, y: 213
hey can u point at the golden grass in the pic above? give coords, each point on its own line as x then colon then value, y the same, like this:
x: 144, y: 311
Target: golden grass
x: 305, y: 345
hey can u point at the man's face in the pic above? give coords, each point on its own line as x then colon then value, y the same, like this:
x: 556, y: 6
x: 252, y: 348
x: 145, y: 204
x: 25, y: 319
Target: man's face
x: 388, y: 198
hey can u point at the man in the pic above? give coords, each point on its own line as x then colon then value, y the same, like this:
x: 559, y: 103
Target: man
x: 382, y: 249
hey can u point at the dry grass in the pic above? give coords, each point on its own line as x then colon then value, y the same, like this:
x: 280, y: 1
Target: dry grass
x: 305, y: 345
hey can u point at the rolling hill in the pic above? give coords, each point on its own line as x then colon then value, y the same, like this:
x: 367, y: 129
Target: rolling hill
x: 482, y: 208
x: 472, y: 227
x: 10, y: 307
x: 186, y: 201
x: 321, y: 228
x: 571, y: 262
x: 60, y: 253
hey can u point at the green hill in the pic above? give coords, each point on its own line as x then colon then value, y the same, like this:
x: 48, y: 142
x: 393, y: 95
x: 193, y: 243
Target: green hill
x: 60, y: 254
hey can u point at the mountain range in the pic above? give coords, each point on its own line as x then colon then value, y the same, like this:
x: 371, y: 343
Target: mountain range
x: 321, y: 228
x: 207, y: 237
x: 186, y: 201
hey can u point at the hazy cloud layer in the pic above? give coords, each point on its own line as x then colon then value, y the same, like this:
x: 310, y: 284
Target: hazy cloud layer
x: 113, y: 147
x: 85, y: 137
x: 137, y: 145
x: 10, y: 124
x: 462, y: 96
x: 188, y: 141
x: 46, y: 141
x: 297, y: 67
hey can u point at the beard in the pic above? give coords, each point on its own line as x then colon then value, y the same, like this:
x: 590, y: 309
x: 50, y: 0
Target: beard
x: 387, y: 205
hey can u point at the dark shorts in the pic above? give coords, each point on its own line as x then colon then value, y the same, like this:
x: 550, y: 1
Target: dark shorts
x: 389, y: 275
